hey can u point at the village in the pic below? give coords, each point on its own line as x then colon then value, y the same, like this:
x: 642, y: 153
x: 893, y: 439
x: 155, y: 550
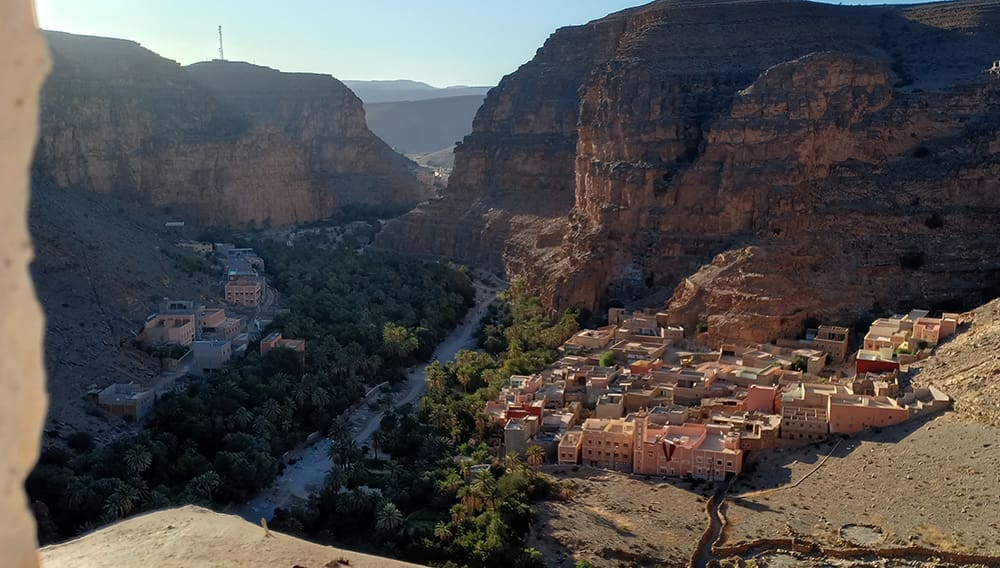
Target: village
x: 191, y: 340
x: 637, y: 397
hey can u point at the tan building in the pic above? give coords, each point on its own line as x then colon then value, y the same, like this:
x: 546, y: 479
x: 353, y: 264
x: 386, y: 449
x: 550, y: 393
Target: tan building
x: 608, y: 443
x: 610, y: 405
x: 127, y: 400
x: 169, y: 329
x: 757, y: 431
x: 833, y: 340
x: 934, y: 330
x: 805, y: 410
x: 275, y: 341
x: 244, y: 291
x: 590, y: 340
x: 215, y: 324
x: 196, y: 247
x: 569, y: 447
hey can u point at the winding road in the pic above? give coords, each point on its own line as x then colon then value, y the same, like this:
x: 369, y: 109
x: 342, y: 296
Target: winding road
x: 307, y: 474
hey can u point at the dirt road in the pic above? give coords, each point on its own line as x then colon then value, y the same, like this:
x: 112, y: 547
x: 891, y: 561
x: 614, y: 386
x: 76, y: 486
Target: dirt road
x: 306, y: 475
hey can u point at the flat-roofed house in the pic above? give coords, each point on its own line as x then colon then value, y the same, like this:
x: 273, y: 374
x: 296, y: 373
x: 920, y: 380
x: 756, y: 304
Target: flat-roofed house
x: 569, y: 447
x: 127, y: 400
x: 209, y: 355
x: 607, y: 443
x: 169, y: 329
x: 850, y: 414
x: 244, y: 290
x: 706, y: 451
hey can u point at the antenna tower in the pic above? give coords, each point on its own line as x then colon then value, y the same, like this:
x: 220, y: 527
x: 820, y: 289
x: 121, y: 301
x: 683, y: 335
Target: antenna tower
x: 221, y: 56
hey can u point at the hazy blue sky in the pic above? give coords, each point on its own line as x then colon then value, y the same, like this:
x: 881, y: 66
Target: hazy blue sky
x: 441, y: 42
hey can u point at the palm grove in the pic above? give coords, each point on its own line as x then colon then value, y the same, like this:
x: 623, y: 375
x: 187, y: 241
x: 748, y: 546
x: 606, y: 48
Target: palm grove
x: 365, y: 318
x: 414, y: 489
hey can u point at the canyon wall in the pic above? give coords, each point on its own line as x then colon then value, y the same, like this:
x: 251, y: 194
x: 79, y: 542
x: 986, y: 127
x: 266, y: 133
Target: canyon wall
x: 220, y: 142
x: 748, y: 164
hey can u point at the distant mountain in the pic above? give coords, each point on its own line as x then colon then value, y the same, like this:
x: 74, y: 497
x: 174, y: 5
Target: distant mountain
x: 406, y: 90
x: 418, y: 127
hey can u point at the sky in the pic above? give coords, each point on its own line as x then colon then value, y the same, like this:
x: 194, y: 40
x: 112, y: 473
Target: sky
x: 441, y: 42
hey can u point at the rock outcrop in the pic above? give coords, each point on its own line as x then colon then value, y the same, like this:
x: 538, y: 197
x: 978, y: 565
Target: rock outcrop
x: 760, y: 162
x: 221, y: 143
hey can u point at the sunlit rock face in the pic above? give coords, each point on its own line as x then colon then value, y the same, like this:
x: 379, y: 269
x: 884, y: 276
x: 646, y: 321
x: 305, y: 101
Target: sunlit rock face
x: 749, y: 164
x: 222, y: 143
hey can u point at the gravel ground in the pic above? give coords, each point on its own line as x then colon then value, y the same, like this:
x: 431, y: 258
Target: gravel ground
x: 934, y: 483
x: 615, y: 519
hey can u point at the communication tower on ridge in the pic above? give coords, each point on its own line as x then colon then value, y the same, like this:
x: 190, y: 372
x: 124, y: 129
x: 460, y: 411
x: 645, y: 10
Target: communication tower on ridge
x: 221, y: 56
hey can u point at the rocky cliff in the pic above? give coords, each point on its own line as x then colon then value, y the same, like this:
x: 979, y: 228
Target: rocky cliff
x: 761, y: 162
x: 223, y: 143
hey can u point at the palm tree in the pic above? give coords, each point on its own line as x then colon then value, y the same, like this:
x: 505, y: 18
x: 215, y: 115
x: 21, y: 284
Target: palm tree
x: 486, y: 486
x: 379, y: 438
x: 77, y: 492
x: 242, y: 418
x: 319, y: 397
x: 138, y: 459
x: 513, y: 462
x: 471, y: 499
x: 458, y: 513
x: 442, y: 532
x: 356, y: 500
x: 340, y: 429
x: 536, y: 455
x: 450, y: 484
x: 122, y: 500
x: 389, y: 518
x: 205, y: 484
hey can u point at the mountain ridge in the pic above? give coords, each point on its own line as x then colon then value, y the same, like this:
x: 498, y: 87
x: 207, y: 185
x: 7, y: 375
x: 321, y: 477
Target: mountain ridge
x: 283, y: 148
x: 640, y: 157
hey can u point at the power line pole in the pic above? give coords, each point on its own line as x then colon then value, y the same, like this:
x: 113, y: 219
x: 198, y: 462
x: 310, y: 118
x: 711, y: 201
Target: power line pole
x: 221, y: 56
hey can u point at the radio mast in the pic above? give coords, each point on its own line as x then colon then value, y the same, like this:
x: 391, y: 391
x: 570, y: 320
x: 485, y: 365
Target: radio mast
x: 221, y: 56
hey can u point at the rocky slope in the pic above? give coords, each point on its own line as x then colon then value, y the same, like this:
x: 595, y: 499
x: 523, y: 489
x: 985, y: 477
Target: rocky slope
x: 193, y: 536
x: 967, y: 367
x: 101, y: 266
x: 761, y: 161
x: 219, y: 142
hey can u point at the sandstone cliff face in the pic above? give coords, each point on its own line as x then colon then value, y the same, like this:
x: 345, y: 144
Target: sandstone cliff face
x: 221, y: 143
x: 831, y: 160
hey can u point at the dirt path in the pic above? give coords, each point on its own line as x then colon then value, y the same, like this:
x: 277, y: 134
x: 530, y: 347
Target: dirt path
x: 307, y: 474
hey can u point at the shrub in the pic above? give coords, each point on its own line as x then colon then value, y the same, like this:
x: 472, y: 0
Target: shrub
x: 702, y: 327
x: 607, y: 359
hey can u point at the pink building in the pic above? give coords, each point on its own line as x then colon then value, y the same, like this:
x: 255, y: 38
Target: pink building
x: 244, y: 291
x: 706, y: 451
x: 761, y: 399
x: 851, y: 414
x: 569, y: 447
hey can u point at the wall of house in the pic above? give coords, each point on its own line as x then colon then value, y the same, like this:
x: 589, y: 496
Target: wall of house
x: 24, y: 63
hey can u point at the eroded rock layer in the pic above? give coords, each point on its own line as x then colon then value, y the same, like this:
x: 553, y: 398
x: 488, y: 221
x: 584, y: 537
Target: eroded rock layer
x: 219, y: 142
x: 761, y: 162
